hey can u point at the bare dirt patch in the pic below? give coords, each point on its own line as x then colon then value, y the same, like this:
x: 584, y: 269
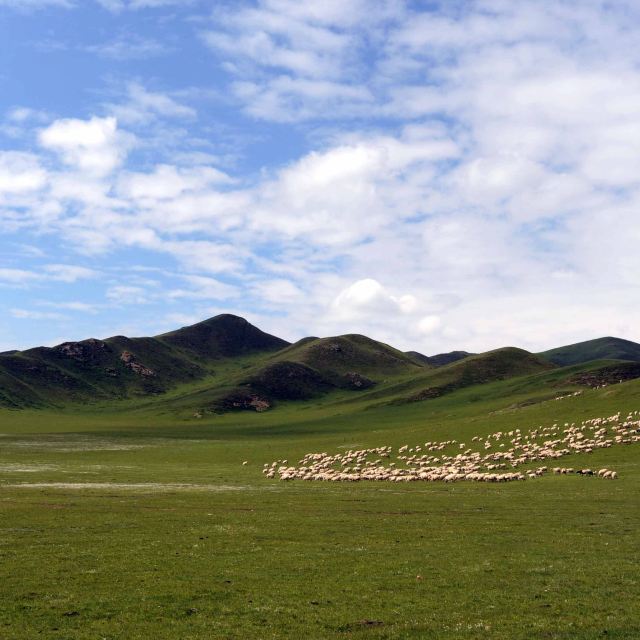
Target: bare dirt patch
x: 14, y: 467
x: 151, y: 487
x: 65, y: 444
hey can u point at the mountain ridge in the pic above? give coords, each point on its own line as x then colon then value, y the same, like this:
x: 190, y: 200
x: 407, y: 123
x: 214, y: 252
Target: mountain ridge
x: 227, y: 363
x: 608, y: 347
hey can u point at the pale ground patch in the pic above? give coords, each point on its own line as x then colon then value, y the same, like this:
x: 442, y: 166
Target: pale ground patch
x: 14, y: 467
x: 153, y: 487
x: 64, y: 444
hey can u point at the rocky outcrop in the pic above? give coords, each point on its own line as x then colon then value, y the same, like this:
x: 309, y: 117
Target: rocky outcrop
x: 613, y: 374
x: 354, y: 380
x: 82, y: 351
x: 243, y: 401
x: 130, y: 362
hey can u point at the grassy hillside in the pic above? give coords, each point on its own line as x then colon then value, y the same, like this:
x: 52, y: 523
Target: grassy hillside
x: 340, y: 355
x: 224, y: 336
x: 600, y: 349
x: 481, y: 369
x: 440, y: 359
x: 226, y: 364
x: 121, y: 367
x: 308, y: 369
x: 125, y: 522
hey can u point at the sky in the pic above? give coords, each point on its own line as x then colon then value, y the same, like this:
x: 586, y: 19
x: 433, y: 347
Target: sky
x: 438, y: 175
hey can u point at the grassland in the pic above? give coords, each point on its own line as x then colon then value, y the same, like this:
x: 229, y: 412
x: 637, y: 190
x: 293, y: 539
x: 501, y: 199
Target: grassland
x: 122, y: 521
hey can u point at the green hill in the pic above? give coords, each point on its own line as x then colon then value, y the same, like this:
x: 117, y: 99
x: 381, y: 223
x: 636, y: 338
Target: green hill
x: 121, y: 367
x: 225, y: 336
x: 440, y: 359
x: 169, y: 495
x: 481, y: 369
x: 340, y: 355
x: 600, y: 349
x: 225, y: 363
x: 314, y: 366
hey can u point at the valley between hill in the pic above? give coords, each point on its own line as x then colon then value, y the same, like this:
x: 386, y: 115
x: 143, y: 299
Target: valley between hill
x: 129, y: 512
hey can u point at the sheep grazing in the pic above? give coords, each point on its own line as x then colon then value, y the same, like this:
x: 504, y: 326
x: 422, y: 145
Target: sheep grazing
x: 414, y: 464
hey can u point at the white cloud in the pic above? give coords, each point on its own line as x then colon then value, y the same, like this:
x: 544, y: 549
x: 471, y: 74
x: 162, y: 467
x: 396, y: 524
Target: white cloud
x: 83, y: 307
x: 22, y: 115
x: 16, y: 276
x: 473, y: 181
x: 50, y: 272
x: 169, y: 182
x: 94, y: 146
x: 27, y: 5
x: 429, y: 324
x: 278, y: 292
x: 69, y: 272
x: 129, y: 47
x: 20, y: 173
x: 368, y: 296
x: 300, y: 60
x: 203, y: 288
x: 141, y: 105
x: 127, y: 295
x: 27, y: 314
x: 120, y: 5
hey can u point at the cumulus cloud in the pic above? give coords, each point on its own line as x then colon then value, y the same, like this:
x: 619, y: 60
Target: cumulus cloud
x: 20, y: 173
x: 94, y: 146
x: 469, y: 178
x: 369, y: 296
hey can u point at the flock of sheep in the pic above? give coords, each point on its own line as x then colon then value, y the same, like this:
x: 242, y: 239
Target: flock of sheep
x: 499, y: 456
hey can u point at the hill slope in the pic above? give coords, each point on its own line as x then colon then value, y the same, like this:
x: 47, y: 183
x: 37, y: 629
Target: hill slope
x: 225, y: 363
x: 343, y: 354
x: 224, y: 336
x: 600, y: 349
x: 314, y: 366
x: 484, y: 368
x: 440, y: 359
x: 121, y: 367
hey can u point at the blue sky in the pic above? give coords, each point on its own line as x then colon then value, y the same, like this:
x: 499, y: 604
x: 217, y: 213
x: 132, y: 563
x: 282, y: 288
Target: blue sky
x: 437, y: 175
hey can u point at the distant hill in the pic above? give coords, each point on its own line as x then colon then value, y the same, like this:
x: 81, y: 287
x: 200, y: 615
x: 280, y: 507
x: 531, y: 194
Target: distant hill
x: 121, y: 367
x: 492, y: 366
x: 342, y: 354
x: 439, y: 360
x: 314, y: 366
x: 225, y: 363
x: 224, y: 336
x: 599, y: 349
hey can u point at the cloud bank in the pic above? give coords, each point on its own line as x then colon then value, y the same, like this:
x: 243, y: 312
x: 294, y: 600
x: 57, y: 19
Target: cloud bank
x: 469, y: 178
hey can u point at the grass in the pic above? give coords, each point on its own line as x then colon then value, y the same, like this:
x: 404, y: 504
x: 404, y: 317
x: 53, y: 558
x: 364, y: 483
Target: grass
x: 599, y: 349
x: 239, y: 556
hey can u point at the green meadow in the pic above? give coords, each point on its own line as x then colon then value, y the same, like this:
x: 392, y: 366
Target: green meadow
x: 127, y: 521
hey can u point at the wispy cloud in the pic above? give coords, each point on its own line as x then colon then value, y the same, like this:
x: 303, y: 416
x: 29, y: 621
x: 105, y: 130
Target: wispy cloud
x: 133, y: 5
x: 28, y: 5
x: 49, y: 272
x: 29, y: 314
x: 129, y: 47
x: 141, y: 105
x: 464, y: 179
